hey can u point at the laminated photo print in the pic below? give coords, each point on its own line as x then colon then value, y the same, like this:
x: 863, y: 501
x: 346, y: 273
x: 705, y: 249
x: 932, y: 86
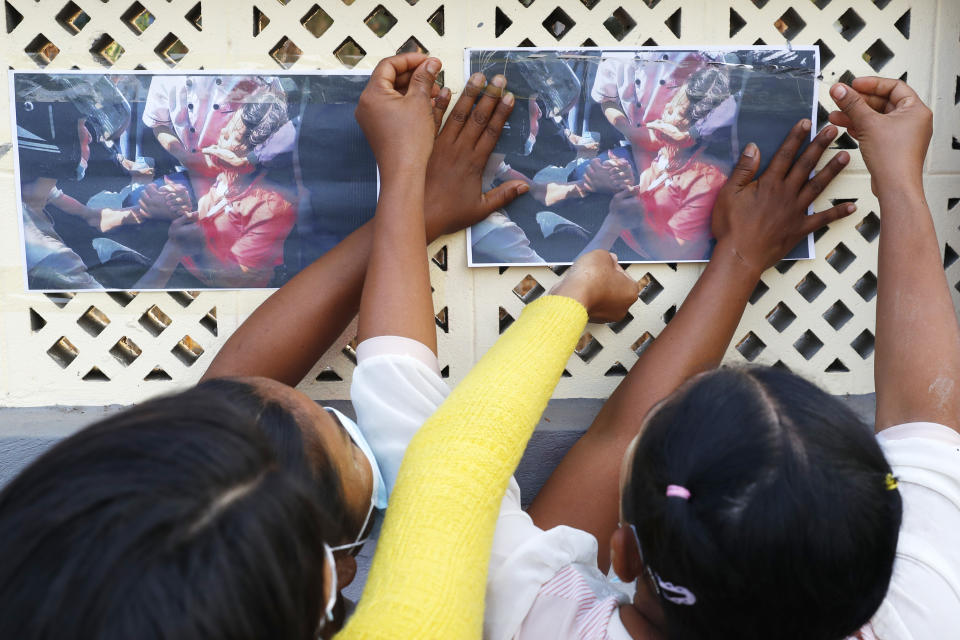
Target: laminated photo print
x: 626, y: 149
x: 140, y: 181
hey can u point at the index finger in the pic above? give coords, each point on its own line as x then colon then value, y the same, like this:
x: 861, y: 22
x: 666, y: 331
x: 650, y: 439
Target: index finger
x: 783, y: 159
x: 386, y: 73
x: 890, y: 88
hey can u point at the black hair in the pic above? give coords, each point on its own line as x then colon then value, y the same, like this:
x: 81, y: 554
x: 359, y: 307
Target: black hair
x: 706, y: 89
x: 298, y: 449
x: 262, y: 119
x: 789, y: 530
x: 174, y: 519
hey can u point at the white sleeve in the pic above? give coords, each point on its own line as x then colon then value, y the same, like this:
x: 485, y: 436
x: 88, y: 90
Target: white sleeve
x: 924, y: 597
x: 156, y: 109
x: 524, y: 557
x: 393, y: 395
x: 606, y: 85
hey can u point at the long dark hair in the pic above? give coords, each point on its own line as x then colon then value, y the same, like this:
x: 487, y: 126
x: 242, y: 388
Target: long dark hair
x: 173, y: 519
x: 789, y: 530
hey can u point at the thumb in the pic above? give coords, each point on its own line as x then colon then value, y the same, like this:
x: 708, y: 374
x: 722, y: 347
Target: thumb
x: 851, y: 103
x: 424, y: 77
x: 503, y: 195
x: 746, y: 167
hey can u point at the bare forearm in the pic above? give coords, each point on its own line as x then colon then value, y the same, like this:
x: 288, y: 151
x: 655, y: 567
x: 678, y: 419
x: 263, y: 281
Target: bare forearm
x: 917, y: 369
x: 287, y: 334
x: 162, y: 268
x: 581, y: 493
x: 396, y: 294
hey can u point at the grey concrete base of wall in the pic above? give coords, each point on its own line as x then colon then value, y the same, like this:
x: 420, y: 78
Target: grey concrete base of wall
x: 25, y: 433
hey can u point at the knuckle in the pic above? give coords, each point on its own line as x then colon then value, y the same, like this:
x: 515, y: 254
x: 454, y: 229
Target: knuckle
x: 480, y: 117
x: 492, y: 131
x: 459, y: 116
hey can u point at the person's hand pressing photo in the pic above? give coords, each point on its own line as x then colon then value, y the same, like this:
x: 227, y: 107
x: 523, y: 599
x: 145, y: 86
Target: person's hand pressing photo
x: 397, y: 113
x: 760, y: 220
x: 600, y: 284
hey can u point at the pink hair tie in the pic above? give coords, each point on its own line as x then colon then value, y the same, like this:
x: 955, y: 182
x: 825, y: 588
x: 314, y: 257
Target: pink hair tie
x: 676, y: 491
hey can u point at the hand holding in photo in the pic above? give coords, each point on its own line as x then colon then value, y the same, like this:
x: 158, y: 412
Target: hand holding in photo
x: 228, y: 159
x: 759, y: 221
x: 397, y: 113
x: 164, y: 202
x: 600, y: 285
x: 608, y: 176
x: 186, y: 235
x: 883, y: 115
x: 454, y: 198
x: 135, y: 169
x: 669, y: 130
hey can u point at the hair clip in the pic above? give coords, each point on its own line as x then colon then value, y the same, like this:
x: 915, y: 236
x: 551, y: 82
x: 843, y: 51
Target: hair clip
x: 891, y: 482
x: 676, y: 491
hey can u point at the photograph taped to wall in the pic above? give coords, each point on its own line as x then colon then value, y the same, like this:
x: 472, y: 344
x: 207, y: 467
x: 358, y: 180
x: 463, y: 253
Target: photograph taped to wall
x: 626, y: 149
x: 141, y: 181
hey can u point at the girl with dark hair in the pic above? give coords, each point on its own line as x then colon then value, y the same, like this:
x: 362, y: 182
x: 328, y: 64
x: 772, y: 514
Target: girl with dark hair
x: 751, y: 504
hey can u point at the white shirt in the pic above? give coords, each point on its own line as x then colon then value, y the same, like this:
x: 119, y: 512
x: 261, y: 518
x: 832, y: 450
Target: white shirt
x: 545, y: 584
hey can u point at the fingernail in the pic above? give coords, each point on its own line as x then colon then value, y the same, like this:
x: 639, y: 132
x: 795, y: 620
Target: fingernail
x: 508, y: 99
x: 843, y: 157
x: 499, y: 81
x: 523, y: 188
x: 805, y: 124
x: 838, y: 91
x: 444, y: 93
x: 750, y: 150
x: 851, y: 208
x: 477, y: 79
x: 433, y: 66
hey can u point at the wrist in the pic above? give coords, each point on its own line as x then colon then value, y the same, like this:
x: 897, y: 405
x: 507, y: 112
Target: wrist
x: 575, y: 291
x: 740, y: 265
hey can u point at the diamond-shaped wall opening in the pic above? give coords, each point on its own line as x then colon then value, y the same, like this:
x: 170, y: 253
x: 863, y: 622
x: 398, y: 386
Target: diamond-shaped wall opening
x: 501, y: 22
x: 820, y: 4
x: 154, y: 320
x: 620, y: 23
x: 736, y: 22
x: 316, y: 21
x: 125, y: 351
x: 621, y: 324
x: 669, y: 313
x: 869, y: 227
x: 758, y: 292
x: 380, y: 21
x: 781, y: 317
x: 790, y: 24
x: 784, y: 265
x: 171, y: 49
x: 617, y: 370
x: 845, y: 142
x: 436, y: 20
x: 650, y: 288
x: 849, y: 24
x: 195, y: 17
x: 841, y: 257
x: 588, y: 347
x: 349, y: 53
x: 863, y: 344
x: 137, y: 18
x: 808, y: 344
x: 209, y: 321
x: 41, y: 50
x: 810, y: 287
x: 878, y: 55
x: 903, y: 24
x: 528, y: 289
x: 837, y: 366
x: 328, y: 375
x: 286, y: 53
x: 37, y: 322
x: 826, y: 56
x: 14, y: 17
x: 866, y: 286
x: 590, y: 4
x: 72, y: 18
x: 443, y: 320
x: 95, y: 375
x: 440, y: 258
x: 505, y: 320
x: 63, y: 352
x: 558, y: 23
x: 751, y: 346
x: 760, y: 4
x: 526, y: 43
x: 642, y: 343
x: 881, y: 4
x: 838, y: 315
x: 184, y: 298
x: 187, y: 350
x: 157, y: 374
x: 949, y: 256
x: 106, y: 50
x: 412, y: 45
x: 93, y: 321
x: 674, y: 22
x: 260, y: 21
x: 122, y: 298
x: 525, y: 3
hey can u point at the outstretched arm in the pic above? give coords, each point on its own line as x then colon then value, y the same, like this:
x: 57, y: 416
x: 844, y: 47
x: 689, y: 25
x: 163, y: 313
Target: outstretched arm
x: 917, y: 361
x: 755, y: 223
x: 287, y: 334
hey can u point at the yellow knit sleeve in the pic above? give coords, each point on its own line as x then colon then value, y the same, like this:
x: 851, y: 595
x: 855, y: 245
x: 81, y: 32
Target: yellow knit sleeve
x: 429, y: 572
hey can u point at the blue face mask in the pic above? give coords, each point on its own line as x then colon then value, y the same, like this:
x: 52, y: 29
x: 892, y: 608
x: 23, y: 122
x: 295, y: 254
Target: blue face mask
x: 378, y: 496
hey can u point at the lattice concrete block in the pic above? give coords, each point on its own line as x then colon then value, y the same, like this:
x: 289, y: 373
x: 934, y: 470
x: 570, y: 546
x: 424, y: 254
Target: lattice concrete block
x: 813, y: 317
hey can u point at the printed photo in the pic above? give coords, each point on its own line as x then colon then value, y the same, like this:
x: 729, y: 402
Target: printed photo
x: 139, y: 181
x: 626, y: 150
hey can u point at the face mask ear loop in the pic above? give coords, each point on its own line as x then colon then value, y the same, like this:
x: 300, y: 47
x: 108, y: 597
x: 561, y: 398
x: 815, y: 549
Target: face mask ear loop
x: 360, y: 540
x: 331, y: 564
